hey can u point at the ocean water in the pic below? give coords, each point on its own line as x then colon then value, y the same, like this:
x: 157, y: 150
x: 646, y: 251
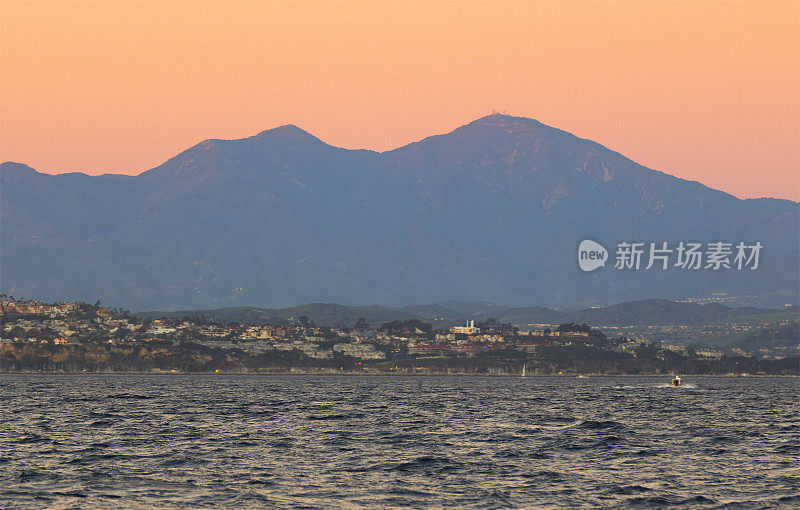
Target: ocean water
x: 178, y: 441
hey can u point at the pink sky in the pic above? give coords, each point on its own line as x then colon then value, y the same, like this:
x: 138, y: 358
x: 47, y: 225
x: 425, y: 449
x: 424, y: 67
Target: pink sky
x: 706, y: 91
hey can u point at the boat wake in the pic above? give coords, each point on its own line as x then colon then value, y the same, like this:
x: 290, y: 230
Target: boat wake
x: 682, y: 386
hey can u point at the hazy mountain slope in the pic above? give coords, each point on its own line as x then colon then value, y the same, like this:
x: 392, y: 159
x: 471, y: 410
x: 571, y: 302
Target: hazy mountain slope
x: 323, y: 314
x: 513, y: 193
x: 491, y: 211
x: 636, y: 313
x: 784, y: 335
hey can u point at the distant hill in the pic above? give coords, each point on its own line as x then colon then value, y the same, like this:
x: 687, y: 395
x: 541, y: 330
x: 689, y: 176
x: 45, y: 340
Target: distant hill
x: 637, y: 313
x: 239, y: 314
x: 784, y: 335
x: 650, y: 312
x: 770, y: 317
x: 321, y: 313
x: 493, y: 210
x: 332, y: 314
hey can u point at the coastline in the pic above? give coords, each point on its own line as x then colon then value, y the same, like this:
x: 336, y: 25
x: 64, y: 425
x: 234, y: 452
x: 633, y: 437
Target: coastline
x: 396, y: 374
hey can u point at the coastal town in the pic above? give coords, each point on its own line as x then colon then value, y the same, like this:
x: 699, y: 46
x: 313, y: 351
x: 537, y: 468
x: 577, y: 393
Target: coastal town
x: 76, y: 337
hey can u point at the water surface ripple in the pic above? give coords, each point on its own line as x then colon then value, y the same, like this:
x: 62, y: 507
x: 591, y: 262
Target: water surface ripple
x: 176, y: 441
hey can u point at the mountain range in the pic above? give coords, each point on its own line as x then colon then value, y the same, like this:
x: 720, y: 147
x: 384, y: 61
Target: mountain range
x: 648, y: 312
x: 494, y: 210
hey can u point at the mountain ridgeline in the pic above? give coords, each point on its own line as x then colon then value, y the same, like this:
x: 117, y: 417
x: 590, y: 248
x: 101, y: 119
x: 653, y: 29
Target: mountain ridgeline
x: 494, y: 210
x: 646, y: 312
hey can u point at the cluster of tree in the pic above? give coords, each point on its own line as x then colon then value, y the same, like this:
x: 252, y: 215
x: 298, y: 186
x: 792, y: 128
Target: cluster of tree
x: 573, y: 328
x: 155, y: 355
x: 582, y: 359
x: 494, y: 327
x: 546, y: 359
x: 410, y: 326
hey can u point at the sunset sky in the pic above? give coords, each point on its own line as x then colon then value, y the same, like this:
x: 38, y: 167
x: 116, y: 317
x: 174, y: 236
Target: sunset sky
x: 705, y: 91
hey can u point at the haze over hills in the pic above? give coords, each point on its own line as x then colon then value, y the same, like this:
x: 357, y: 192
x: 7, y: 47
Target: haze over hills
x: 492, y: 211
x: 636, y: 313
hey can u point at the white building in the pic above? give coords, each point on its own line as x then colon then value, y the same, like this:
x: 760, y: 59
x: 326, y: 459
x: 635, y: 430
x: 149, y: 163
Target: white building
x: 469, y: 329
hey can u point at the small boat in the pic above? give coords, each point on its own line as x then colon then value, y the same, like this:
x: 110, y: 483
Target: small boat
x: 676, y: 382
x: 523, y: 370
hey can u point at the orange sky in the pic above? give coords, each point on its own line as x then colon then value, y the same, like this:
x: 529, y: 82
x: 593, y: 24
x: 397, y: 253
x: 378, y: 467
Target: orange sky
x: 705, y: 91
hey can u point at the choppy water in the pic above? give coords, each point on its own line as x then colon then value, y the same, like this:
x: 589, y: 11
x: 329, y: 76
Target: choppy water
x: 116, y: 441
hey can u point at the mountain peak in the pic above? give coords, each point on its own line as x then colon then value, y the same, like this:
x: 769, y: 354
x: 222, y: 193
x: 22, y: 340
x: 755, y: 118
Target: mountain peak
x: 285, y: 132
x: 11, y: 169
x: 490, y: 127
x: 13, y: 166
x: 502, y: 120
x: 491, y: 211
